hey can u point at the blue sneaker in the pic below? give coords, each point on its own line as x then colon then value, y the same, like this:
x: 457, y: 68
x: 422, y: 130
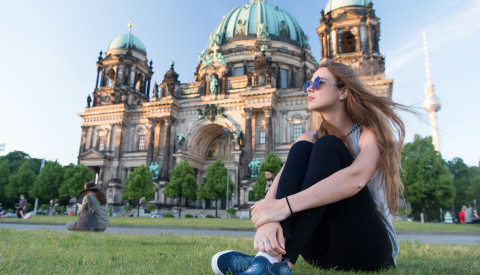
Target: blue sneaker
x: 261, y: 266
x: 230, y: 261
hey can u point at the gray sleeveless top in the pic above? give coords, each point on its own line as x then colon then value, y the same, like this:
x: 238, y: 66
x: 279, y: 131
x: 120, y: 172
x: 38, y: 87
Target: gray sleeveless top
x: 378, y: 193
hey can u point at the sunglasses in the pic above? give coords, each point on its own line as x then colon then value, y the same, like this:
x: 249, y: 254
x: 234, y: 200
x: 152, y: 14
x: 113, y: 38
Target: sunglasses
x: 315, y: 83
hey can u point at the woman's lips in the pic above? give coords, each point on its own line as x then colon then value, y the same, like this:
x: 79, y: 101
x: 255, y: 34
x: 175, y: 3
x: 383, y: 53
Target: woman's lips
x: 310, y: 98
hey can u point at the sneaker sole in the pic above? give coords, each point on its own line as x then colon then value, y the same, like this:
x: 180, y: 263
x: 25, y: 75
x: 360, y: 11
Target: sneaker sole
x: 215, y: 257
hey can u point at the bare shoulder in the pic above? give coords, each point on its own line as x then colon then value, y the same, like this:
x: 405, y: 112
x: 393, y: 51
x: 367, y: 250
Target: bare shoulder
x: 367, y: 137
x: 305, y: 136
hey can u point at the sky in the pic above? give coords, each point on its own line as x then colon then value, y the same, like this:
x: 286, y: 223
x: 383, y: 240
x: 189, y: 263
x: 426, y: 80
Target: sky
x: 49, y: 50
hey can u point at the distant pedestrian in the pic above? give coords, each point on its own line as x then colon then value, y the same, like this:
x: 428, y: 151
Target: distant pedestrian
x: 268, y: 177
x: 462, y: 214
x: 22, y: 207
x: 98, y: 201
x: 471, y: 215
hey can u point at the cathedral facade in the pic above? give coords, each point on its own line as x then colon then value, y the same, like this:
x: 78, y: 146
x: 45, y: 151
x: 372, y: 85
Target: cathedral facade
x: 247, y: 98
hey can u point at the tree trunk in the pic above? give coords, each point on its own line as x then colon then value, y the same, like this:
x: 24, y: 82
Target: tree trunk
x: 179, y: 207
x: 424, y: 210
x: 138, y: 209
x: 216, y: 208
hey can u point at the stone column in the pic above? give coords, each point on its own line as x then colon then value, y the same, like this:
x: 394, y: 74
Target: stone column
x: 167, y: 148
x: 151, y: 140
x: 268, y: 129
x: 334, y: 42
x: 156, y: 141
x: 248, y: 140
x: 113, y: 135
x: 82, y: 141
x: 96, y: 82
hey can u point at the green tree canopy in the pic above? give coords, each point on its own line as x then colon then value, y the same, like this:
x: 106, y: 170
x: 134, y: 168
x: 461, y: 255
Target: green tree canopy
x: 214, y: 184
x: 48, y: 182
x: 21, y: 181
x: 182, y: 182
x: 75, y: 178
x: 4, y: 175
x: 272, y: 163
x: 428, y: 184
x: 138, y: 185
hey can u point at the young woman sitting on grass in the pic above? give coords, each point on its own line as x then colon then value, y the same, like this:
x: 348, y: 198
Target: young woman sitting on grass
x: 98, y: 201
x: 333, y: 199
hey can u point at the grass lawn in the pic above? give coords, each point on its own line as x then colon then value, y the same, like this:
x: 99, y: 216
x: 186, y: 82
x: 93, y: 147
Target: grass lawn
x: 45, y: 251
x: 236, y: 223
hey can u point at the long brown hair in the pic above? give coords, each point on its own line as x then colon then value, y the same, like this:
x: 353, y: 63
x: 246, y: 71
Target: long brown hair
x: 100, y: 196
x: 377, y: 114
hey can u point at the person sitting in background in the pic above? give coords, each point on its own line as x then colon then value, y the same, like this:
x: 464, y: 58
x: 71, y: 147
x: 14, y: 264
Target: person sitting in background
x: 22, y: 207
x: 471, y: 215
x: 98, y: 201
x: 462, y: 214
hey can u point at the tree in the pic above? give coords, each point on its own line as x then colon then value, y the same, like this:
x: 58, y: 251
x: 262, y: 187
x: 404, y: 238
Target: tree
x: 21, y: 181
x: 428, y: 184
x: 48, y: 182
x: 272, y: 163
x: 214, y: 184
x: 182, y: 183
x: 4, y: 174
x: 75, y: 178
x: 139, y: 185
x: 461, y: 180
x: 15, y: 160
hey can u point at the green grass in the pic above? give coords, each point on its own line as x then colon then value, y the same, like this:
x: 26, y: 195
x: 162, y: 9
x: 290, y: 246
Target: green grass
x: 230, y: 223
x: 236, y: 223
x: 45, y: 251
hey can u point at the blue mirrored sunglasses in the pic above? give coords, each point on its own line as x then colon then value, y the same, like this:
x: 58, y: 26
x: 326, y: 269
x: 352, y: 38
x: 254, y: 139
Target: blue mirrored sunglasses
x: 315, y: 83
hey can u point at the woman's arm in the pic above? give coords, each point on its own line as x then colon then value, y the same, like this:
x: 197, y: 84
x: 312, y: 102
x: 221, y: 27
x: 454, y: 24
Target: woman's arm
x: 343, y: 184
x: 84, y: 205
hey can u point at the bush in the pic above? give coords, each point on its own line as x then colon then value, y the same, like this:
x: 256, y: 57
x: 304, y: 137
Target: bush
x: 44, y: 206
x: 209, y: 216
x: 232, y: 211
x: 189, y: 216
x: 169, y: 216
x: 60, y: 209
x: 151, y: 208
x: 127, y: 207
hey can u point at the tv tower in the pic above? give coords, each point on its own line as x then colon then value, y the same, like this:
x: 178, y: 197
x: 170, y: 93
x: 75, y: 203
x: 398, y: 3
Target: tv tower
x: 431, y: 104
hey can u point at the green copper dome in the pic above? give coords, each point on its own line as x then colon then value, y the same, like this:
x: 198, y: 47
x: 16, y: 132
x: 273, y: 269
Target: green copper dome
x: 336, y: 4
x: 258, y: 20
x: 127, y: 40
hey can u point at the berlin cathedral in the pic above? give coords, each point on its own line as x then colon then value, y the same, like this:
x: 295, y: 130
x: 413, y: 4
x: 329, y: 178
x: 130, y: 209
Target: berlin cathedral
x: 246, y: 101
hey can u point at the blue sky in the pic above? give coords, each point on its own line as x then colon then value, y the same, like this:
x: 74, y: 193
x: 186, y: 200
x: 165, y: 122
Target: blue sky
x: 49, y: 49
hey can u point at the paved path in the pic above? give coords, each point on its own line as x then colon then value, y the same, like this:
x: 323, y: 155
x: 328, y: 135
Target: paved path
x: 423, y: 237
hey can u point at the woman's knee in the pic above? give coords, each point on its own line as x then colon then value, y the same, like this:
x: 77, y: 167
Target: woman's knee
x: 330, y: 145
x: 301, y: 150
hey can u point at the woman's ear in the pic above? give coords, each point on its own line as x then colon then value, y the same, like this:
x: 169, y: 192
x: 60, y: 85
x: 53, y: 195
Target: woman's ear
x: 344, y: 93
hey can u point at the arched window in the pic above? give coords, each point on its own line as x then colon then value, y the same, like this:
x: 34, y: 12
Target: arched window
x: 141, y: 143
x: 348, y: 42
x: 111, y: 77
x: 101, y: 143
x: 138, y: 82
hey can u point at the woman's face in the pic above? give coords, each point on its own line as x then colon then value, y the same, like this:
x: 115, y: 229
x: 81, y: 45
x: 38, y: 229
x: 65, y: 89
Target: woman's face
x: 327, y: 96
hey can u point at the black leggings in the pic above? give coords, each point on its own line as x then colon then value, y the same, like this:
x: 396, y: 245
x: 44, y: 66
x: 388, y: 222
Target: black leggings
x: 349, y: 234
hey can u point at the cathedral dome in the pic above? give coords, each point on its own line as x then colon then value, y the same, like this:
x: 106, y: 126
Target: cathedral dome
x: 336, y: 4
x: 258, y: 20
x: 125, y: 41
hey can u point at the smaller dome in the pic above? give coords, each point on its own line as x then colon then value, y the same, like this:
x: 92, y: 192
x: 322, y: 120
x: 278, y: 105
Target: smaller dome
x: 127, y: 40
x: 336, y: 4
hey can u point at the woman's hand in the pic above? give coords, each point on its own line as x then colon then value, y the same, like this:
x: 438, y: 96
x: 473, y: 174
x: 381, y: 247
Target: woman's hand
x: 269, y: 238
x: 269, y: 210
